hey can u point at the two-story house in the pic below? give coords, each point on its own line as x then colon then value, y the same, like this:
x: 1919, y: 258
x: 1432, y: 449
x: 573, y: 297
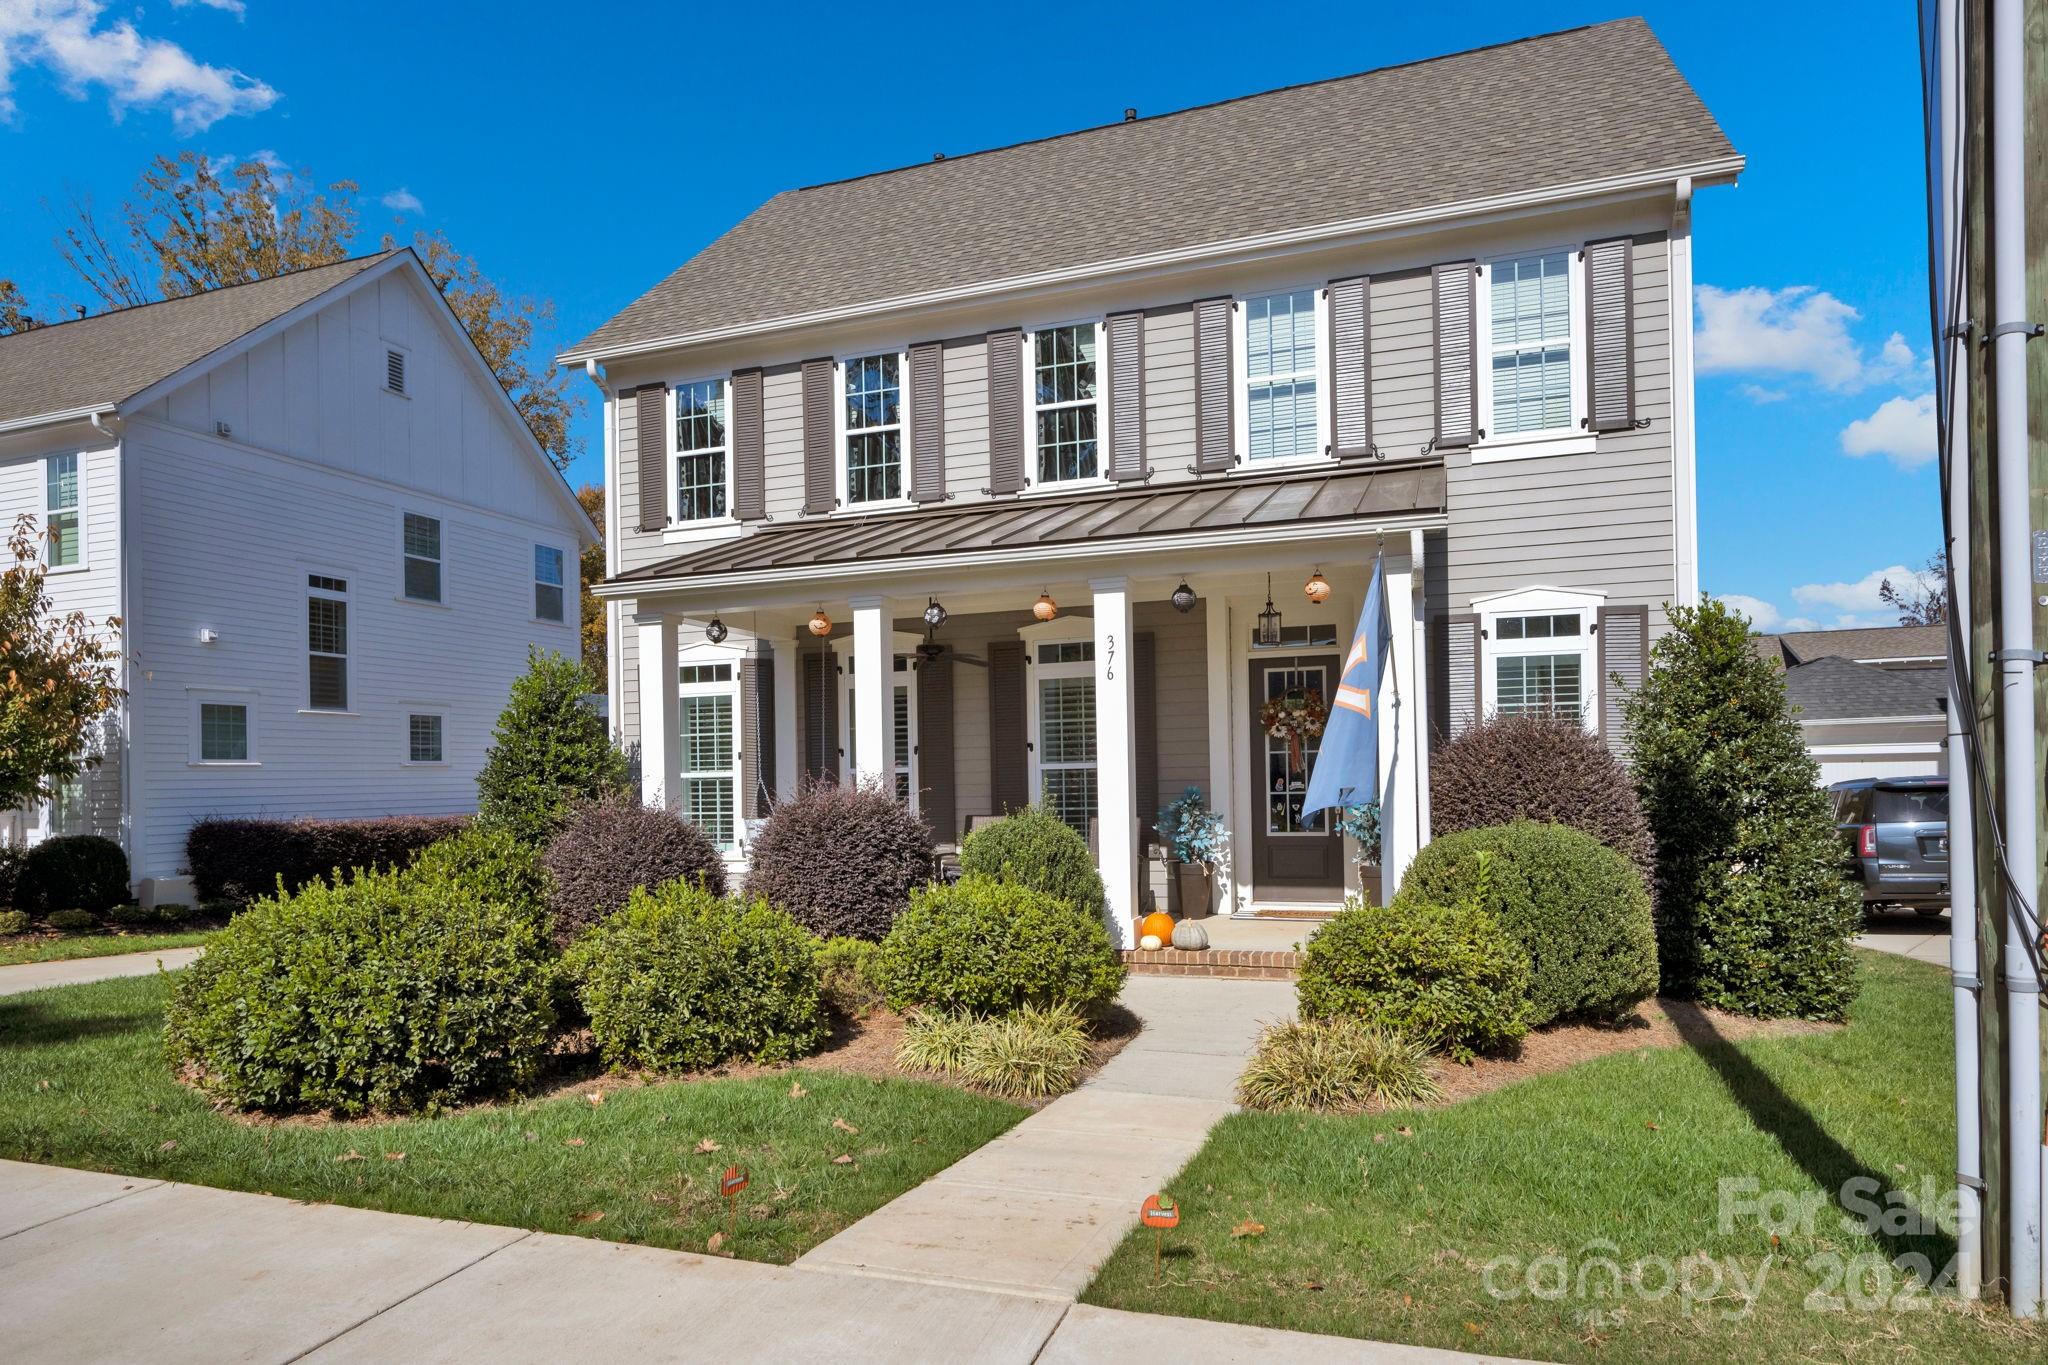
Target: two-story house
x: 328, y: 532
x: 1087, y: 447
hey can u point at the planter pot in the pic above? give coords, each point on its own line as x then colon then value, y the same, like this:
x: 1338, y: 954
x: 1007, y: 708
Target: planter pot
x: 1193, y: 887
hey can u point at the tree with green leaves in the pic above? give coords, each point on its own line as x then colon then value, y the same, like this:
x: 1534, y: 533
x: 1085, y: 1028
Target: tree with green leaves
x: 1755, y: 910
x: 14, y: 311
x: 596, y: 657
x: 61, y: 673
x: 549, y: 752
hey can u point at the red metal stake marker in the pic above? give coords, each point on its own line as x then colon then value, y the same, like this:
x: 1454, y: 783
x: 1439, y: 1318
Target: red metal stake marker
x: 1158, y: 1213
x: 730, y: 1184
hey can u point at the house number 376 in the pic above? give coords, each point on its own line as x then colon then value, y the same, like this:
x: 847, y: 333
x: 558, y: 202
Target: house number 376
x: 1109, y: 659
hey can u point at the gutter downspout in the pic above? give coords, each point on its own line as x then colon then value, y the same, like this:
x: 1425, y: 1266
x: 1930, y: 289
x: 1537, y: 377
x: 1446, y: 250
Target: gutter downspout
x: 615, y: 717
x: 131, y: 812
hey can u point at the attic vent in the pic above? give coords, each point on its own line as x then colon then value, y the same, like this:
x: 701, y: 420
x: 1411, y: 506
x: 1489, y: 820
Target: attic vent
x: 394, y: 371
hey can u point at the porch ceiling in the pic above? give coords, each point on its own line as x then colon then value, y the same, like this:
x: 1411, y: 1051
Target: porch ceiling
x: 1156, y: 516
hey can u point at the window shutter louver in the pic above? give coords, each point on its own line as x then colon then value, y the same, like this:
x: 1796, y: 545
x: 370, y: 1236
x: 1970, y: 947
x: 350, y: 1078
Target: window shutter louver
x: 650, y: 454
x: 935, y: 748
x: 1145, y: 729
x: 1456, y: 354
x: 749, y: 473
x: 819, y: 461
x: 1624, y: 662
x: 1464, y: 656
x: 1215, y: 432
x: 1351, y: 368
x: 1009, y: 764
x: 821, y: 717
x: 1006, y: 411
x: 1610, y: 335
x: 927, y: 422
x: 757, y: 746
x: 1126, y: 396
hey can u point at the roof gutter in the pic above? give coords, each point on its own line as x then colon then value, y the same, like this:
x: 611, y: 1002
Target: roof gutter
x: 1721, y: 170
x: 90, y: 414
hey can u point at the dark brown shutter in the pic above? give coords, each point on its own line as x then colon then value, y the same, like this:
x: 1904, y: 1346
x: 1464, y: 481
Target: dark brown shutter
x: 1456, y: 353
x: 757, y: 745
x: 1624, y: 662
x: 1005, y: 411
x: 650, y: 453
x: 821, y: 716
x: 1464, y: 656
x: 927, y: 422
x: 749, y: 471
x: 935, y: 748
x: 819, y: 457
x: 1351, y: 368
x: 1126, y: 396
x: 1438, y: 644
x: 1009, y: 762
x: 1610, y: 335
x: 1215, y: 432
x: 1145, y: 728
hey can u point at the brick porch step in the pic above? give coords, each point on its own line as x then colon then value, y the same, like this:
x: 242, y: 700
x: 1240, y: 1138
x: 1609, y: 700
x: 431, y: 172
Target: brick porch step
x: 1243, y: 963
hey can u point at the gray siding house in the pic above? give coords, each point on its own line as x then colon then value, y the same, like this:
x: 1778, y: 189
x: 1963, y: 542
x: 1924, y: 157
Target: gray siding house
x: 1047, y: 436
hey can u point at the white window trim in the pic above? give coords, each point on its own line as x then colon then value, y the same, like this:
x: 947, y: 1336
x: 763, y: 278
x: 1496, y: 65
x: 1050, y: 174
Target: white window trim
x: 1060, y: 630
x: 1240, y: 361
x: 84, y: 547
x: 244, y: 697
x: 348, y: 674
x: 405, y: 360
x: 703, y: 655
x: 902, y: 645
x: 675, y: 458
x: 1100, y: 479
x: 405, y: 714
x: 1572, y: 439
x: 405, y: 554
x: 843, y: 505
x: 534, y: 582
x: 1542, y: 602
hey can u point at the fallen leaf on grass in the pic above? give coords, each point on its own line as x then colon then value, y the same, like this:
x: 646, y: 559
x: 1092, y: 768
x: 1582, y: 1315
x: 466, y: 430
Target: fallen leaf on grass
x: 168, y: 1146
x: 572, y: 1142
x: 716, y: 1244
x: 1474, y: 1328
x: 586, y: 1217
x: 1379, y: 1137
x: 394, y: 1156
x: 843, y: 1126
x: 350, y: 1155
x: 1652, y: 1127
x: 707, y: 1145
x: 797, y: 1091
x: 596, y: 1097
x: 843, y: 1159
x: 530, y: 1136
x: 1249, y: 1228
x: 1310, y: 1284
x: 1405, y: 1131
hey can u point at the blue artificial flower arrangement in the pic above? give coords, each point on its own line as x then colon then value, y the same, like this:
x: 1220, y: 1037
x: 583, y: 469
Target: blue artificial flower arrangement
x: 1362, y: 822
x: 1194, y: 833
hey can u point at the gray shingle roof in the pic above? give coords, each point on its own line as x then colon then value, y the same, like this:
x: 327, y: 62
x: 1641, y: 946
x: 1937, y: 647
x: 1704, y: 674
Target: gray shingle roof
x: 1877, y: 642
x: 1840, y: 689
x: 103, y: 360
x: 1562, y: 109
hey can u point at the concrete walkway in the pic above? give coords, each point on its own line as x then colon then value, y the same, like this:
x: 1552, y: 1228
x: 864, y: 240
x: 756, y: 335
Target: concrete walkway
x: 1922, y: 938
x: 34, y: 976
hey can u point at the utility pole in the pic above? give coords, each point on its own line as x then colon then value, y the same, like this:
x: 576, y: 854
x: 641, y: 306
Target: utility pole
x: 2032, y: 576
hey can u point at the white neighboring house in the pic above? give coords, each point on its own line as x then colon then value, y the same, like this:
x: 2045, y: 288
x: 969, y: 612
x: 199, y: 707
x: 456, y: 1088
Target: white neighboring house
x: 329, y: 533
x: 1869, y: 701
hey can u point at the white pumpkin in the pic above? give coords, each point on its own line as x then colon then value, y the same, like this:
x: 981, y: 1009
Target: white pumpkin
x: 1189, y: 936
x: 1150, y: 943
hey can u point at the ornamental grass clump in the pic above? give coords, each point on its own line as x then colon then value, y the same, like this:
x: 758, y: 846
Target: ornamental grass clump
x: 1339, y: 1065
x: 1028, y: 1054
x: 841, y: 857
x: 609, y: 849
x: 1447, y: 975
x: 1035, y: 848
x: 991, y: 947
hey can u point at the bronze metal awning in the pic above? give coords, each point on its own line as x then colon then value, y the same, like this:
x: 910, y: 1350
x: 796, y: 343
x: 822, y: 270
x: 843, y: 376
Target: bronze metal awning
x: 1150, y: 514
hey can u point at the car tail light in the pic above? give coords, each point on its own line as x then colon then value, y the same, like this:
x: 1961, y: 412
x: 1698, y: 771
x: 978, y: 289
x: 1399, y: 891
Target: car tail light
x: 1866, y: 842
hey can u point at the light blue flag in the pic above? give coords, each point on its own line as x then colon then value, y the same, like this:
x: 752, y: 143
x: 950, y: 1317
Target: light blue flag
x: 1346, y: 771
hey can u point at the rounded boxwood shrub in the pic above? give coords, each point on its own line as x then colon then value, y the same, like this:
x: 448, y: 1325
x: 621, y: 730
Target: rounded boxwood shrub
x: 488, y: 863
x: 609, y: 849
x: 1447, y: 974
x: 850, y: 971
x: 991, y: 947
x: 840, y: 857
x: 1575, y: 905
x: 1036, y: 848
x: 681, y: 979
x: 13, y: 921
x: 72, y: 921
x: 387, y: 994
x: 75, y: 871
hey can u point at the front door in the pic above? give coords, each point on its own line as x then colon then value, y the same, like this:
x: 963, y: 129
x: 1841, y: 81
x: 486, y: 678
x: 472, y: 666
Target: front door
x: 1292, y: 859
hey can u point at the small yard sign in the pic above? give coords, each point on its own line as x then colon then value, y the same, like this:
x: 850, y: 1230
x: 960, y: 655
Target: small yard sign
x: 1158, y: 1213
x: 730, y: 1184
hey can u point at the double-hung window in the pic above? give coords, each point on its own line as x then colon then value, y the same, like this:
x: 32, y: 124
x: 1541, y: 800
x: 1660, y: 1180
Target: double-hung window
x: 700, y: 450
x: 1281, y: 413
x: 423, y: 737
x: 547, y: 582
x: 62, y: 525
x: 1065, y: 406
x: 1063, y: 729
x: 873, y: 388
x: 422, y: 558
x: 902, y: 723
x: 326, y: 643
x: 1527, y: 366
x: 1542, y: 664
x: 710, y: 760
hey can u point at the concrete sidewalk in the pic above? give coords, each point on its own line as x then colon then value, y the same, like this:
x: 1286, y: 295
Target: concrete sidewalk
x: 34, y: 976
x: 1924, y: 938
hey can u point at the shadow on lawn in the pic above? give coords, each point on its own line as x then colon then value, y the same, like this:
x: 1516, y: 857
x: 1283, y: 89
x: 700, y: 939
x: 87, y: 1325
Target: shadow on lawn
x: 27, y: 1021
x: 1825, y: 1160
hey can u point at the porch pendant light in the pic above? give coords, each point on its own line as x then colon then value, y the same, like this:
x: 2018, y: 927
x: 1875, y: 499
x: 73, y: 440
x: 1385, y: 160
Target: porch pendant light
x: 716, y: 631
x: 1317, y: 587
x: 1269, y: 619
x: 934, y: 613
x: 1183, y: 598
x: 1045, y: 608
x: 821, y: 624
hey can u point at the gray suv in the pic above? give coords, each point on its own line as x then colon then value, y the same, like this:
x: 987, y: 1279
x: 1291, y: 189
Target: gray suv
x: 1896, y: 829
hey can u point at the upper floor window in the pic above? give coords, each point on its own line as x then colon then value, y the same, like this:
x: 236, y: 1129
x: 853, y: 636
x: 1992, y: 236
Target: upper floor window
x: 1064, y: 402
x: 422, y: 557
x: 326, y: 643
x: 62, y: 526
x: 874, y: 428
x: 547, y: 582
x: 1529, y: 331
x: 700, y: 450
x: 1280, y: 406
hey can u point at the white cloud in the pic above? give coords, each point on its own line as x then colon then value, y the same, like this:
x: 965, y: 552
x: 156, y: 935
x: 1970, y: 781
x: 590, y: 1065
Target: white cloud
x: 234, y: 7
x: 1859, y: 598
x: 1798, y: 330
x: 1762, y: 615
x: 402, y: 200
x: 1757, y: 393
x: 1902, y: 429
x: 136, y: 71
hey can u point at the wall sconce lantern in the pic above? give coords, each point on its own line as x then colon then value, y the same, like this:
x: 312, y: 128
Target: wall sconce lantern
x: 1045, y: 608
x: 934, y: 613
x: 821, y: 624
x: 1183, y: 598
x: 1269, y: 619
x: 716, y: 631
x: 1317, y: 588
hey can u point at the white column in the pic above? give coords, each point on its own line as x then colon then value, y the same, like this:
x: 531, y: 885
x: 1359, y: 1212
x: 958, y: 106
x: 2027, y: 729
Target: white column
x: 873, y: 687
x: 1399, y: 751
x: 1116, y: 756
x: 1222, y: 688
x: 661, y: 712
x: 1423, y: 724
x: 787, y: 661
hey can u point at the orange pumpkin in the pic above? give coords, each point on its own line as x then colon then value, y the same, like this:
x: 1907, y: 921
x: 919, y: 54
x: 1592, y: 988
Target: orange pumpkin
x: 1158, y: 924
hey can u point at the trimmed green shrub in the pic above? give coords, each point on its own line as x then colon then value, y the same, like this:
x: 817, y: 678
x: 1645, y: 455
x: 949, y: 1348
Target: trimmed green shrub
x: 1336, y: 1066
x: 129, y: 915
x: 1035, y: 848
x: 13, y: 922
x: 72, y: 921
x: 82, y: 871
x: 990, y: 947
x: 10, y: 871
x: 841, y: 857
x: 549, y: 752
x: 609, y: 849
x: 489, y: 864
x: 681, y: 979
x: 1575, y: 905
x: 172, y: 912
x: 386, y: 994
x: 850, y: 973
x: 1755, y: 914
x: 238, y: 859
x: 1029, y: 1054
x: 1448, y: 975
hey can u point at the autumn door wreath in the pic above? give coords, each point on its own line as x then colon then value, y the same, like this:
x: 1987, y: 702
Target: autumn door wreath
x: 1296, y: 715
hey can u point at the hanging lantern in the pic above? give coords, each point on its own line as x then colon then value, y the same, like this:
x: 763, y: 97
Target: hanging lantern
x: 934, y: 614
x: 716, y: 631
x: 1183, y: 598
x: 1045, y: 608
x: 1317, y: 588
x: 821, y: 624
x: 1269, y: 619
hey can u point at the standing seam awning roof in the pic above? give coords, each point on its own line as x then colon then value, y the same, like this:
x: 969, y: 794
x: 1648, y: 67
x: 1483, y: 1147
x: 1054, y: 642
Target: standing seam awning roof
x: 1152, y: 514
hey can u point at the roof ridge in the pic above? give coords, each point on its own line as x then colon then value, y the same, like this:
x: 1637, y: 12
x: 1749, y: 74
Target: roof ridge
x: 946, y: 158
x: 42, y: 327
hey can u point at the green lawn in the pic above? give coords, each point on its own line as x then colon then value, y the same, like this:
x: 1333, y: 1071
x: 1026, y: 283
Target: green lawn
x: 14, y: 952
x: 1368, y: 1232
x: 83, y: 1083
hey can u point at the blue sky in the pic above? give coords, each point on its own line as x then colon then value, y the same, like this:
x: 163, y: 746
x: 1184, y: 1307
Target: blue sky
x: 582, y: 154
